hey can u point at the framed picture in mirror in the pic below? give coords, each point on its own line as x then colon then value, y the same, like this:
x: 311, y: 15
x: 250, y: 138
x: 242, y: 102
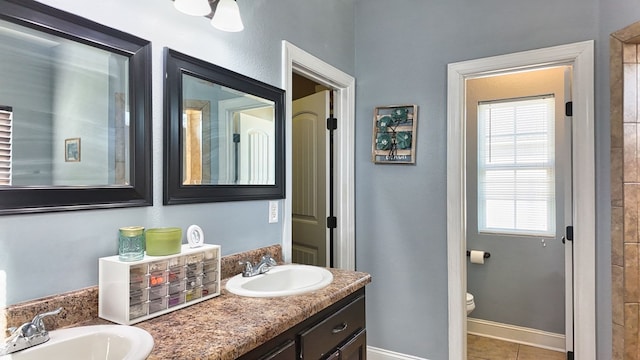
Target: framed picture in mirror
x: 72, y: 150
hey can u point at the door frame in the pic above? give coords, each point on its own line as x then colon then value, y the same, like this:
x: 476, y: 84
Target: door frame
x: 301, y: 62
x: 580, y: 56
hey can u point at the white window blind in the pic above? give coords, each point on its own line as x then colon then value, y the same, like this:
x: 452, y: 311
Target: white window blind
x: 6, y: 117
x: 516, y: 166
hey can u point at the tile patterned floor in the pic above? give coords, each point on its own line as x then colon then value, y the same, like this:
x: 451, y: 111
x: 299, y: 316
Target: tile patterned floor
x: 482, y: 348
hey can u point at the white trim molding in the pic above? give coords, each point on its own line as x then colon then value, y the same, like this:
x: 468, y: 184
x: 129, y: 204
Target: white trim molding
x: 580, y: 57
x: 374, y: 353
x: 299, y: 61
x: 516, y: 334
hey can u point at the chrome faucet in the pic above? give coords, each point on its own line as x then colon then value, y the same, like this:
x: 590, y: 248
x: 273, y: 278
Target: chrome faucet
x: 28, y: 334
x: 265, y: 264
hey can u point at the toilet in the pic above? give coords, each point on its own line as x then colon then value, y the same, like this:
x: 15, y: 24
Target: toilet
x: 470, y: 304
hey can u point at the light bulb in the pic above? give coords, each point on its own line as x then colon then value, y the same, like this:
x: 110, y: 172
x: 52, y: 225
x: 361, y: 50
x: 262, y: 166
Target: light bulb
x: 227, y: 16
x: 193, y: 7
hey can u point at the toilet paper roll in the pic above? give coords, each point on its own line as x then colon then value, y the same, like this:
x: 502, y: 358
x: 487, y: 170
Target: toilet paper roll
x: 477, y: 257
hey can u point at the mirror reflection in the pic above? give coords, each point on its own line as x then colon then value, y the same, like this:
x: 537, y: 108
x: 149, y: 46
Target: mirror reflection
x: 228, y: 136
x: 63, y: 111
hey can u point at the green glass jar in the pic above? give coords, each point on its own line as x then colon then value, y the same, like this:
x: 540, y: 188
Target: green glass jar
x: 131, y: 243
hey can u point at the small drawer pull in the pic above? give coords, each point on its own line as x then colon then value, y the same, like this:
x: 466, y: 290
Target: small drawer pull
x: 340, y: 328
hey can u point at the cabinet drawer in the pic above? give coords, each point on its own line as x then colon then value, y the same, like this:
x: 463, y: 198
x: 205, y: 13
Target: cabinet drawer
x: 284, y: 352
x: 326, y: 335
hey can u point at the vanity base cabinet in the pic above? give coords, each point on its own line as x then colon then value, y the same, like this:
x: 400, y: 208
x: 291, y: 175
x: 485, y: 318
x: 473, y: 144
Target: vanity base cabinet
x: 337, y: 332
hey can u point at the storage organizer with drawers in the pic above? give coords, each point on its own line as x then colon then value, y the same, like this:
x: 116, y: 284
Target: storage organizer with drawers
x: 131, y: 292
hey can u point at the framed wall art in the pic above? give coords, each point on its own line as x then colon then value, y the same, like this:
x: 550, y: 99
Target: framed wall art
x: 394, y: 134
x: 72, y: 150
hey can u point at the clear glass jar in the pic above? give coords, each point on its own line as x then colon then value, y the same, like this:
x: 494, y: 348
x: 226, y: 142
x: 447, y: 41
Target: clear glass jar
x: 131, y: 243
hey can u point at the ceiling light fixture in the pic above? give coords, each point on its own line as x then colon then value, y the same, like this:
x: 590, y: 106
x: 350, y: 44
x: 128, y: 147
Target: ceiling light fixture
x: 193, y: 7
x: 227, y: 16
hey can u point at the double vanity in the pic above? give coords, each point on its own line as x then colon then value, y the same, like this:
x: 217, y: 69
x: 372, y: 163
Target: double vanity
x: 284, y: 318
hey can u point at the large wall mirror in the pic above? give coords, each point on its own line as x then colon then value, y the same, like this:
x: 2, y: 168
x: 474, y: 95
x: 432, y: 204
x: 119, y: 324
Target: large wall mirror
x: 74, y: 112
x: 224, y: 134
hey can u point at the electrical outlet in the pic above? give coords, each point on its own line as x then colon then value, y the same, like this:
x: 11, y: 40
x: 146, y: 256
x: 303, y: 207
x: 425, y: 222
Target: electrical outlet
x: 273, y: 212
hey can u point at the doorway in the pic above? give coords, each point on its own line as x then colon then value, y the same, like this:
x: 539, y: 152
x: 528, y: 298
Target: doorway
x: 518, y: 205
x: 580, y: 57
x: 298, y: 61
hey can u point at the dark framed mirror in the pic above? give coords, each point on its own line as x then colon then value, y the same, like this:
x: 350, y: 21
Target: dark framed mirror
x: 224, y: 134
x: 75, y: 112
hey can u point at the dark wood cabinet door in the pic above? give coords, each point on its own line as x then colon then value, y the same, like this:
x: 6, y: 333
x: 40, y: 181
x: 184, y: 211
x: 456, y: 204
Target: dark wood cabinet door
x: 356, y: 348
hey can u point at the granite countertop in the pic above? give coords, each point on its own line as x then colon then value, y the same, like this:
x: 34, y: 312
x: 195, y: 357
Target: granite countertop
x: 224, y: 327
x: 229, y: 325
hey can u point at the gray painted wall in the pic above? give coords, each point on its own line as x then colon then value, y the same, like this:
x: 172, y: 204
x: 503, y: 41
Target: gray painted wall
x: 32, y: 146
x: 80, y: 92
x: 60, y: 250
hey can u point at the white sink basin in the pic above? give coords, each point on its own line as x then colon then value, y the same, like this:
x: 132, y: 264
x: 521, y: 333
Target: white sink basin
x: 281, y: 280
x: 98, y: 342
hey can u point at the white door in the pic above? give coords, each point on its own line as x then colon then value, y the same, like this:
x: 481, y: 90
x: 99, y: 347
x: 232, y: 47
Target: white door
x: 309, y: 184
x: 256, y: 150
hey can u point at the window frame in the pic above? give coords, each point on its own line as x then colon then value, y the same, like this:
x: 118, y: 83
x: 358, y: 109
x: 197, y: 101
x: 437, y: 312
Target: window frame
x: 548, y: 165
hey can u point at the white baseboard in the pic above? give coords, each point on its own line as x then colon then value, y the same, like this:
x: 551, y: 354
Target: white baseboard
x: 374, y: 353
x: 517, y: 334
x: 490, y: 329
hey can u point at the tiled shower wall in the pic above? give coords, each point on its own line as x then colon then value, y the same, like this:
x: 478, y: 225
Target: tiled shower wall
x: 625, y: 192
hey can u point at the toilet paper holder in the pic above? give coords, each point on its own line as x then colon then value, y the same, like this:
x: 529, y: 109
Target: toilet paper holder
x: 486, y: 254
